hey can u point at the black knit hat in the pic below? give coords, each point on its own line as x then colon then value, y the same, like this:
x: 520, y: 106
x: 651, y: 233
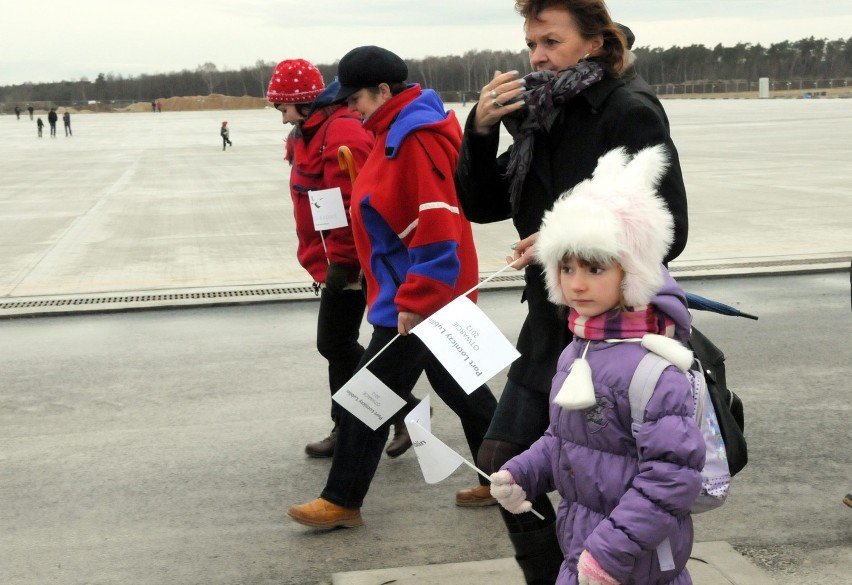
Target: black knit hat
x: 628, y: 35
x: 368, y: 67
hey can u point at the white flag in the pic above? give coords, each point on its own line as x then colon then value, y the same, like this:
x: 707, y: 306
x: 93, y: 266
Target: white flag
x: 327, y: 209
x: 368, y: 398
x: 466, y: 342
x: 421, y: 414
x: 437, y: 461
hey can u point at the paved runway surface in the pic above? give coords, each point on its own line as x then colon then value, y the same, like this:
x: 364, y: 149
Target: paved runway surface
x: 156, y: 447
x: 145, y: 203
x: 164, y: 446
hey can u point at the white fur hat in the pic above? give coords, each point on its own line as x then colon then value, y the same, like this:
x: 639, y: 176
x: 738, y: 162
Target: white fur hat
x: 614, y: 216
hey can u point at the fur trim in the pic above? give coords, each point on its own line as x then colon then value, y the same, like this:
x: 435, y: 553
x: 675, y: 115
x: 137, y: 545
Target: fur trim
x: 614, y: 216
x: 669, y: 349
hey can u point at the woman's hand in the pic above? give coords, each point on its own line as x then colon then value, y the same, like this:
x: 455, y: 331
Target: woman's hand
x: 495, y: 100
x: 522, y: 252
x: 407, y: 321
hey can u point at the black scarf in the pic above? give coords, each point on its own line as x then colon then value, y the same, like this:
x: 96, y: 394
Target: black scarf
x: 543, y: 95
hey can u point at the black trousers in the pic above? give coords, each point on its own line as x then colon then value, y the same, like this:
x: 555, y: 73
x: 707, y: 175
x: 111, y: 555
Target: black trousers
x: 359, y: 448
x: 338, y: 326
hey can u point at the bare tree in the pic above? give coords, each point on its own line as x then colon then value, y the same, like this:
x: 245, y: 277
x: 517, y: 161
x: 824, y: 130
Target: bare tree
x: 209, y: 74
x: 261, y: 72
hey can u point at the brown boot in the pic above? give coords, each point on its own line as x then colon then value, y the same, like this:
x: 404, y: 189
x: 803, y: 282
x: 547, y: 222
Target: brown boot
x: 321, y: 513
x: 324, y: 448
x: 401, y: 442
x: 475, y: 497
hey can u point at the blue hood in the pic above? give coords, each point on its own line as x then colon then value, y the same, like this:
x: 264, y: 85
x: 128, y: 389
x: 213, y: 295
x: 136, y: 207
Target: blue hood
x: 326, y: 98
x: 425, y: 110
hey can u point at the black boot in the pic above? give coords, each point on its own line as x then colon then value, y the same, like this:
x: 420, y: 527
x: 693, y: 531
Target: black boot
x: 401, y: 442
x: 538, y: 554
x: 324, y: 448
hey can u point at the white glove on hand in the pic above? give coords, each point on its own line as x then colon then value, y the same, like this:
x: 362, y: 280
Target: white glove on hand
x: 510, y: 495
x: 591, y: 573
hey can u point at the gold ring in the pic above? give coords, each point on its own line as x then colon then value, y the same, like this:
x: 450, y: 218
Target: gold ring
x: 493, y: 93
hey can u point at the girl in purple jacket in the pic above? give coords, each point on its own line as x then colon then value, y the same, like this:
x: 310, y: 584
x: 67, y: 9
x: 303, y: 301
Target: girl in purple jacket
x: 624, y: 515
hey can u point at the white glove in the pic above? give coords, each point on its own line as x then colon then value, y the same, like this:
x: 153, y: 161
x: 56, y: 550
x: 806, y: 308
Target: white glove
x: 510, y: 495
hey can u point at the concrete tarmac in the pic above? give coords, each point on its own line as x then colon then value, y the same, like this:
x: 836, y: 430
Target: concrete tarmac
x: 163, y: 447
x: 145, y: 209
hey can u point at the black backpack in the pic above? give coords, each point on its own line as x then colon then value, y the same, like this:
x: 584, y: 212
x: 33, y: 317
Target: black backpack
x: 728, y: 406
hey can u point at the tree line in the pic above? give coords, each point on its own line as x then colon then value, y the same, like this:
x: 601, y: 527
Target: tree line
x: 807, y: 63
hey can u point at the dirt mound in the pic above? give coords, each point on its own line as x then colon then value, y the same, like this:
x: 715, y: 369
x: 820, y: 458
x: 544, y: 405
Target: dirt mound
x: 214, y: 101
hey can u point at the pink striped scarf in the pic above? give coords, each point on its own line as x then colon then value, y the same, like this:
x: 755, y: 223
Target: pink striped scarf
x: 621, y: 324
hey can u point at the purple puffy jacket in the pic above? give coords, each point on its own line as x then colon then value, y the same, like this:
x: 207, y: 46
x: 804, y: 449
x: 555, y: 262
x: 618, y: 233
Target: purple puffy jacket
x: 618, y: 509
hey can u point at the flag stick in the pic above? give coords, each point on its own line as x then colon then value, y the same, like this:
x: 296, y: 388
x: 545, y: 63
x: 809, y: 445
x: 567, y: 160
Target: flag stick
x: 465, y: 294
x: 506, y: 267
x: 378, y: 353
x: 483, y: 474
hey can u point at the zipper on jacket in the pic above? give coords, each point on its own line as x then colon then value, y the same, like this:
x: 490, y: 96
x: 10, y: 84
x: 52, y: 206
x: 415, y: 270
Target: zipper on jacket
x: 391, y: 271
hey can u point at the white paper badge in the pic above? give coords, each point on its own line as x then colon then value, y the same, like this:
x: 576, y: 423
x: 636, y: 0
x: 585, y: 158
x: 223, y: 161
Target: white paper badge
x: 466, y: 342
x: 366, y: 397
x: 327, y: 209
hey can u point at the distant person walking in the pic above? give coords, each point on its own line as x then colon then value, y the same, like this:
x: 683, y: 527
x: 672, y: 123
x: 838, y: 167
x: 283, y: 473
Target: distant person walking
x: 66, y: 119
x: 159, y: 107
x: 18, y: 112
x: 153, y: 106
x: 30, y: 110
x: 40, y: 126
x: 226, y: 135
x: 52, y: 118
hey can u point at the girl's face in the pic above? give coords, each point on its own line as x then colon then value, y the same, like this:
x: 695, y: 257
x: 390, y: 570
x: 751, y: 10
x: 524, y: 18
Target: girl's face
x: 590, y: 288
x: 289, y: 114
x: 554, y: 41
x: 365, y: 102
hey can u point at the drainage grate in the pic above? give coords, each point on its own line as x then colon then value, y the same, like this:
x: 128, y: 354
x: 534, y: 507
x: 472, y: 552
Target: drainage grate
x: 508, y: 278
x: 153, y: 298
x: 245, y: 294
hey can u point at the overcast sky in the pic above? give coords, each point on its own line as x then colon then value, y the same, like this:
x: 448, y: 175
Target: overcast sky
x: 53, y: 41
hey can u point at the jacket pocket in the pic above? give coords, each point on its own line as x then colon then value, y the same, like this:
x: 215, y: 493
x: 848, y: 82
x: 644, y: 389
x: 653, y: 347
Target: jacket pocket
x: 389, y: 267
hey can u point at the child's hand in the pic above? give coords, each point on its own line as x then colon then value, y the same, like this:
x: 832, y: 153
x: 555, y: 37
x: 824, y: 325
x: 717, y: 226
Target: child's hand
x: 591, y: 573
x: 510, y: 495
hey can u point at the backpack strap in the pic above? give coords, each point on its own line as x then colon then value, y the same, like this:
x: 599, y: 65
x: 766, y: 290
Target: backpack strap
x: 642, y: 386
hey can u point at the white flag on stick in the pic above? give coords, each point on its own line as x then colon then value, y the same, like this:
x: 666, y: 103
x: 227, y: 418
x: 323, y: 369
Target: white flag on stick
x: 466, y: 342
x: 327, y: 209
x: 368, y: 398
x: 437, y: 461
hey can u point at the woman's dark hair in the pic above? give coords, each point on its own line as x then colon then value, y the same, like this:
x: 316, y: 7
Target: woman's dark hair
x: 396, y: 88
x: 304, y: 109
x: 592, y: 19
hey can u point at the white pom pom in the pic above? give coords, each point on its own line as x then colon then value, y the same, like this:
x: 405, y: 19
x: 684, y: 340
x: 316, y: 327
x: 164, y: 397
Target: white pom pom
x: 577, y: 392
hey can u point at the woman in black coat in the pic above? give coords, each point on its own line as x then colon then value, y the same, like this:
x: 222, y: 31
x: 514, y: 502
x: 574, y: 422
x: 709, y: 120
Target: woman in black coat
x: 571, y: 110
